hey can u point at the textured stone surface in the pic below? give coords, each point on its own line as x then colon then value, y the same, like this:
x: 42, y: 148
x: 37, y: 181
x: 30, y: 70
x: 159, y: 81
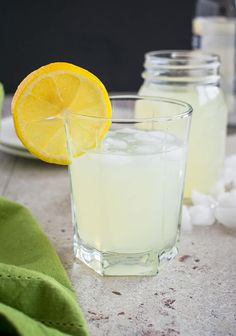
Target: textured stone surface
x: 193, y: 295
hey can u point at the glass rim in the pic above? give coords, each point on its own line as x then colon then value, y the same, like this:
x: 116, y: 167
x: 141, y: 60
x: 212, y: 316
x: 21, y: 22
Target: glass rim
x: 127, y: 97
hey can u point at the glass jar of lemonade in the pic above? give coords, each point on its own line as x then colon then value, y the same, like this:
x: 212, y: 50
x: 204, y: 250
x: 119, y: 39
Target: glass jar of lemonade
x: 194, y: 77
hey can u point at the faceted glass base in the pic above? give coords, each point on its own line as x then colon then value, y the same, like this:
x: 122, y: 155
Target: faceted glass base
x: 123, y: 264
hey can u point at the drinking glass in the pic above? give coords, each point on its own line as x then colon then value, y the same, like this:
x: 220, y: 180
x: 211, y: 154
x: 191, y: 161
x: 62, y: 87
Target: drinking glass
x: 127, y: 185
x: 193, y: 77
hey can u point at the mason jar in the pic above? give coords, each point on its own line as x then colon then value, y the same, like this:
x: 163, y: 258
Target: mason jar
x: 194, y: 77
x: 214, y: 30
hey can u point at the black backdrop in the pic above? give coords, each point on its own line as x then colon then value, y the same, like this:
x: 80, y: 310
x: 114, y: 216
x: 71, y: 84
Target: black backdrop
x: 108, y: 38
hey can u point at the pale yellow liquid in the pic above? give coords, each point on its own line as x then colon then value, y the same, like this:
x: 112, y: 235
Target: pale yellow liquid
x: 217, y: 36
x: 208, y: 132
x: 127, y: 193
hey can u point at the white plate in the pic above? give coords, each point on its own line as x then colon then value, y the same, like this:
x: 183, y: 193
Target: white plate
x: 9, y: 142
x: 8, y: 135
x: 16, y: 152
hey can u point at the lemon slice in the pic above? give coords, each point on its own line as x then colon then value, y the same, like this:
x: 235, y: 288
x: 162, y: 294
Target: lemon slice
x: 56, y: 97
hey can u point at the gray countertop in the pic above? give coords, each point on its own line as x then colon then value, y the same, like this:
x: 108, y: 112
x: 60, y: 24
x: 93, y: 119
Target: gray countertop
x: 193, y: 295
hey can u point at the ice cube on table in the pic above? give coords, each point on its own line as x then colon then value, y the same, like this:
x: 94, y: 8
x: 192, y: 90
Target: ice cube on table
x: 202, y: 215
x: 220, y: 205
x: 227, y: 200
x: 203, y: 199
x: 186, y: 224
x: 226, y: 210
x: 226, y: 216
x: 229, y: 173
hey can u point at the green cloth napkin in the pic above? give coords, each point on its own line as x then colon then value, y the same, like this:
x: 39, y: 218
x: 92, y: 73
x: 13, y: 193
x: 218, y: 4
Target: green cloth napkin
x: 36, y: 297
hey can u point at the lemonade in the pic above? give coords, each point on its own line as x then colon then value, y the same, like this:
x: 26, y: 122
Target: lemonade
x: 194, y: 78
x: 217, y: 35
x: 134, y: 181
x: 207, y: 136
x: 127, y: 173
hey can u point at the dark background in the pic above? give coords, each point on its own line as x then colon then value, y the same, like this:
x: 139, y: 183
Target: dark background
x: 109, y: 38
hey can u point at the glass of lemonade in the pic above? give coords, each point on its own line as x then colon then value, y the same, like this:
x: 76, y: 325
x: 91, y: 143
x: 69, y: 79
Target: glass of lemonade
x: 193, y: 77
x: 127, y: 189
